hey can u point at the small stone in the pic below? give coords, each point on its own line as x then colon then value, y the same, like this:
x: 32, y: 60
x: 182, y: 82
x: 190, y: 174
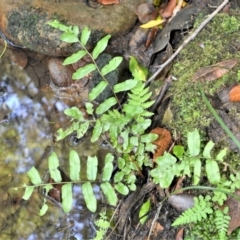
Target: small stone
x: 181, y: 201
x: 61, y: 75
x: 19, y: 58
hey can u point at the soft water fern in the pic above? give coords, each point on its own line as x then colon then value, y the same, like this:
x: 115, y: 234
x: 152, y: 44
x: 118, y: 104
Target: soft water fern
x: 202, y: 208
x: 123, y: 127
x: 220, y: 197
x: 189, y: 162
x: 103, y: 224
x: 74, y: 177
x: 221, y: 221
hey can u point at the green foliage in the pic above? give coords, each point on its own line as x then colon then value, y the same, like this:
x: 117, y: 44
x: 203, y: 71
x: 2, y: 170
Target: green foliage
x: 75, y: 172
x: 222, y: 221
x: 202, y: 207
x: 215, y: 226
x: 103, y: 224
x: 125, y: 127
x: 202, y: 211
x: 195, y: 162
x: 144, y: 210
x: 189, y: 162
x: 230, y: 24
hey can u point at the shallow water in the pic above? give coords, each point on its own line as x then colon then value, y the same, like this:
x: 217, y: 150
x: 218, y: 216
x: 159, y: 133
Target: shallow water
x: 30, y: 113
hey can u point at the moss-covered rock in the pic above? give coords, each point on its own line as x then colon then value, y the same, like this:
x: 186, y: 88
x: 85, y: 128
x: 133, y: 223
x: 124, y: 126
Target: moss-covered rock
x: 25, y: 22
x: 219, y: 41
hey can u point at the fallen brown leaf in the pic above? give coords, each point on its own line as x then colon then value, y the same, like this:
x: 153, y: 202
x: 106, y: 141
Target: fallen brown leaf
x: 179, y: 235
x: 234, y: 212
x: 169, y: 9
x: 158, y: 227
x: 163, y: 141
x: 215, y: 71
x: 176, y: 9
x: 234, y: 94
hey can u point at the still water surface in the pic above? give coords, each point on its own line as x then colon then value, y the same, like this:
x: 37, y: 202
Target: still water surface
x: 30, y: 113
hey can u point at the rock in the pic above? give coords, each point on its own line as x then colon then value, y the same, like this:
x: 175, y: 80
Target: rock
x: 19, y: 58
x: 181, y: 201
x: 61, y: 76
x: 25, y: 22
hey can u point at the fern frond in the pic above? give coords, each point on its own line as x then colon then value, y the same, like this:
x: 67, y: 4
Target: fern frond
x: 219, y: 197
x: 147, y: 104
x: 138, y: 88
x: 222, y: 220
x: 147, y: 114
x: 103, y: 224
x: 114, y: 114
x: 144, y: 91
x: 134, y: 101
x: 145, y: 97
x: 202, y: 207
x: 142, y: 98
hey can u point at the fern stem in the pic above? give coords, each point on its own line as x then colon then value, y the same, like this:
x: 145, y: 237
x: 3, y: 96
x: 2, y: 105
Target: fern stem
x: 219, y: 120
x: 99, y: 71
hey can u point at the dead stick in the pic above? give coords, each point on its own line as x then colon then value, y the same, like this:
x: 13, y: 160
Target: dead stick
x: 190, y: 38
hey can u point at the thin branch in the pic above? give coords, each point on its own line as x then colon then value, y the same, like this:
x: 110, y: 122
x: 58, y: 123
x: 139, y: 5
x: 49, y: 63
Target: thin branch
x: 161, y: 94
x: 154, y: 220
x: 190, y: 38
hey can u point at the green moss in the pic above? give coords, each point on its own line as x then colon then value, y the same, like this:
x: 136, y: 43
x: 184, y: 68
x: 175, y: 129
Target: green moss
x: 220, y: 43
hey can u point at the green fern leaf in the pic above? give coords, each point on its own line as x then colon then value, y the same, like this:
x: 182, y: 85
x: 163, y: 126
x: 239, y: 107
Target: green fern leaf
x: 145, y: 97
x: 144, y: 91
x: 147, y: 104
x: 219, y: 197
x: 134, y: 101
x: 202, y: 207
x: 147, y: 114
x: 133, y: 97
x: 222, y: 220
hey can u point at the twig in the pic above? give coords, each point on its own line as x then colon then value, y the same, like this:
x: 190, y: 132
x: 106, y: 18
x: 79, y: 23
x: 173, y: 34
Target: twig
x: 161, y: 94
x: 190, y: 38
x: 154, y: 220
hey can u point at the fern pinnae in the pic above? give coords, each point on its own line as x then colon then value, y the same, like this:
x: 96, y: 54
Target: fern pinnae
x: 222, y: 220
x: 145, y: 97
x: 148, y: 104
x: 202, y: 207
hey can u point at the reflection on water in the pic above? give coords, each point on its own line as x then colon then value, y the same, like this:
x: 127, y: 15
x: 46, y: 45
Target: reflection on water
x: 30, y: 113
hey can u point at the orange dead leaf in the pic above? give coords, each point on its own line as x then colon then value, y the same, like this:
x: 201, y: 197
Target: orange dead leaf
x: 108, y: 2
x: 163, y: 141
x: 169, y: 9
x: 179, y: 235
x: 157, y: 229
x: 234, y: 94
x: 215, y: 71
x: 234, y: 212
